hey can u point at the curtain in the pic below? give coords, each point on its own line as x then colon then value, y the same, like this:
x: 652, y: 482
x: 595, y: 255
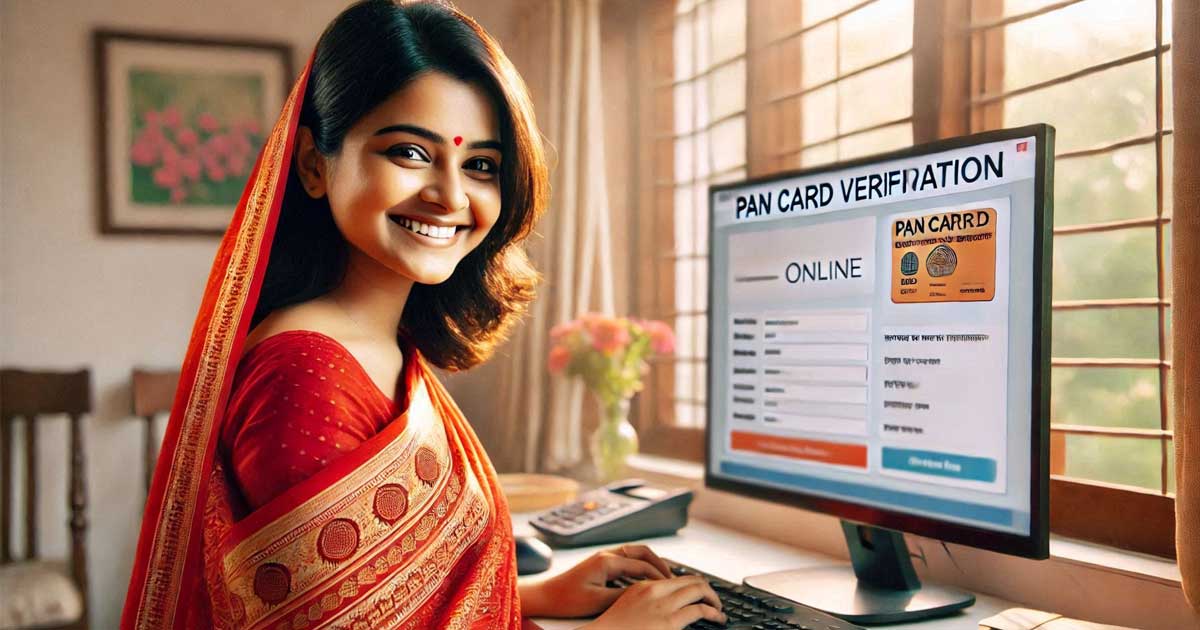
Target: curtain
x: 1185, y: 235
x: 540, y: 425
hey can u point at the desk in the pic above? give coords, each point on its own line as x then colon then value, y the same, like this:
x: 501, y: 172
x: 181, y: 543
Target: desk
x: 731, y: 555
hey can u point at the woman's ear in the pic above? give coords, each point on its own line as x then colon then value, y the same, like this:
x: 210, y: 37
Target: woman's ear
x: 310, y: 164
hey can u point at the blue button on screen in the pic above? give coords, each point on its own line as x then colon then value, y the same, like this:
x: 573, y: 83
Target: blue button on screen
x: 940, y: 464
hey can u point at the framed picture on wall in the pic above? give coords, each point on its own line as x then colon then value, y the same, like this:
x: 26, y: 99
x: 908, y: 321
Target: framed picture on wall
x: 180, y: 121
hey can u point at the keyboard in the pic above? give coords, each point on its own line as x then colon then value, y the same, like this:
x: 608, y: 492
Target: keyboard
x: 748, y: 608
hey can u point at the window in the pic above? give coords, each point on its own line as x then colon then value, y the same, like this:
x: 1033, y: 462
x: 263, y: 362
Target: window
x: 1099, y: 71
x: 705, y: 88
x: 813, y: 76
x: 840, y: 79
x: 1093, y: 70
x: 819, y: 64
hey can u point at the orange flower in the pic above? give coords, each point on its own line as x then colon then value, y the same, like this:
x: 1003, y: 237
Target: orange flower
x: 609, y: 335
x: 560, y: 356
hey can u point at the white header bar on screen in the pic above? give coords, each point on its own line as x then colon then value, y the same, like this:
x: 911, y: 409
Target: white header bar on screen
x: 957, y: 170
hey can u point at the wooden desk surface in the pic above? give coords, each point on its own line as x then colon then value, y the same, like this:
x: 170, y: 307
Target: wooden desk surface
x: 731, y: 555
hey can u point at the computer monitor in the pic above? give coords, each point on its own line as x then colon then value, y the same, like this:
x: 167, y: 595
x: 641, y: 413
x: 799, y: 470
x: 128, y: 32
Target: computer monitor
x: 879, y: 335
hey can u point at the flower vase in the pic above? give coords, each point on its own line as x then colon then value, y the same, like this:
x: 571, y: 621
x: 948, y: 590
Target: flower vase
x: 613, y: 441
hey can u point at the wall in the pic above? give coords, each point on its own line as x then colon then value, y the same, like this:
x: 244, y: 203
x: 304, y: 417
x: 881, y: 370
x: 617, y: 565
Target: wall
x: 70, y: 297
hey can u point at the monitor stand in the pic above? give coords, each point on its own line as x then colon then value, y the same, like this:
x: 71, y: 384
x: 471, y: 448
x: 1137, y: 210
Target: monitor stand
x: 882, y: 587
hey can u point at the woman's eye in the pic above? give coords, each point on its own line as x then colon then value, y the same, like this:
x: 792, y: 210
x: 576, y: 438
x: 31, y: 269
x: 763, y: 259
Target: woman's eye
x: 482, y: 165
x: 407, y: 152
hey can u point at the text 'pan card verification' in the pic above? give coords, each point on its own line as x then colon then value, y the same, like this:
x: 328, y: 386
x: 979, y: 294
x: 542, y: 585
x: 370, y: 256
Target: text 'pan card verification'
x: 944, y: 257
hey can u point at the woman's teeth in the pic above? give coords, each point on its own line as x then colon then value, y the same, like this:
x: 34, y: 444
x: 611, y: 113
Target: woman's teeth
x: 432, y: 231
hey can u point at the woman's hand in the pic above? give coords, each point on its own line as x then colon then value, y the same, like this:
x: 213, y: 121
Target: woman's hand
x: 582, y: 591
x: 662, y: 605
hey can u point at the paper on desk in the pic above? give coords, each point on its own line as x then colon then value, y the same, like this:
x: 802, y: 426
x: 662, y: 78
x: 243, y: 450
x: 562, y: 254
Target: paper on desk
x: 1028, y: 619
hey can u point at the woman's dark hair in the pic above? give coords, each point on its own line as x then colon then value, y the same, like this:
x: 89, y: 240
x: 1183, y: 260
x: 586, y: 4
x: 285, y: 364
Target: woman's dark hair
x: 371, y: 50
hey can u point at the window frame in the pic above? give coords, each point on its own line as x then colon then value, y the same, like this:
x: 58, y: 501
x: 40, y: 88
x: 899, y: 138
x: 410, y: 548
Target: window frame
x: 955, y: 65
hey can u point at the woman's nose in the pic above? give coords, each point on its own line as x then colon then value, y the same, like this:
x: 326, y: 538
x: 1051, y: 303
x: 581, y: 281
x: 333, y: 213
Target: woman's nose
x: 446, y: 190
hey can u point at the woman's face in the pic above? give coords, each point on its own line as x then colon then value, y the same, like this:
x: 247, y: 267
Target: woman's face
x: 416, y: 185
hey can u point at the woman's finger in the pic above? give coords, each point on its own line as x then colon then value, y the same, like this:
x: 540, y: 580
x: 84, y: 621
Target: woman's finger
x: 642, y: 552
x: 690, y: 614
x: 694, y: 593
x: 617, y: 566
x: 665, y: 588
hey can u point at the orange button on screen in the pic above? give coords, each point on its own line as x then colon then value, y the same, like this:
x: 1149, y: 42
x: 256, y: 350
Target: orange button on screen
x: 798, y: 448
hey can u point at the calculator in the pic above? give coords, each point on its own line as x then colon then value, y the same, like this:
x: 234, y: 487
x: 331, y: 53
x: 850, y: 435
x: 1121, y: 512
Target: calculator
x: 619, y: 512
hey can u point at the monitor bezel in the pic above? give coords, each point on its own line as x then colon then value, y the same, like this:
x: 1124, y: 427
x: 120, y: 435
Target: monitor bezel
x: 1036, y: 544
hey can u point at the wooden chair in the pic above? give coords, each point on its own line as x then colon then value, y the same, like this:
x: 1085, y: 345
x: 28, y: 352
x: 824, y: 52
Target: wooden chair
x: 153, y: 393
x: 38, y: 593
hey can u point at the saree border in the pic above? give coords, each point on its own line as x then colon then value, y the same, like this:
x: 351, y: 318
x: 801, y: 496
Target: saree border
x: 390, y: 603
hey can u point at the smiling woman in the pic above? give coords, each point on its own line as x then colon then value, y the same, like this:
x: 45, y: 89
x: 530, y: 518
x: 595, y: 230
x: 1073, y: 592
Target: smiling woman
x: 395, y: 172
x: 315, y: 473
x: 372, y: 146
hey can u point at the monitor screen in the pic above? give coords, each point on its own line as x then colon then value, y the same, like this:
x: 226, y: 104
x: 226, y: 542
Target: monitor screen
x: 878, y: 339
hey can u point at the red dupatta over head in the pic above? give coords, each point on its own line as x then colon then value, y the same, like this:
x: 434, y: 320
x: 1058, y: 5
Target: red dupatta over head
x: 409, y: 530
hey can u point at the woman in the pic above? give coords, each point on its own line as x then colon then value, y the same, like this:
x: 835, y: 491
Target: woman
x: 314, y: 472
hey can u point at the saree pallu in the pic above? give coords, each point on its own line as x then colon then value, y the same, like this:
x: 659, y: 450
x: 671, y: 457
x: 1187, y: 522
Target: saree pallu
x: 409, y: 530
x: 396, y: 534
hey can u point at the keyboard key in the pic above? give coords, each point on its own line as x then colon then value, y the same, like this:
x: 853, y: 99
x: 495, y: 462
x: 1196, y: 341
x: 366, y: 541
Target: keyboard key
x: 778, y: 605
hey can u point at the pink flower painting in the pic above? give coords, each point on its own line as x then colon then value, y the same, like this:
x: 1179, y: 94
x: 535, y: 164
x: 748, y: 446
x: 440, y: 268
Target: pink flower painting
x: 194, y: 137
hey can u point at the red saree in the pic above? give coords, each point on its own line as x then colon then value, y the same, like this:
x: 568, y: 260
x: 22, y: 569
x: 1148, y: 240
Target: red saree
x: 407, y: 530
x: 300, y: 400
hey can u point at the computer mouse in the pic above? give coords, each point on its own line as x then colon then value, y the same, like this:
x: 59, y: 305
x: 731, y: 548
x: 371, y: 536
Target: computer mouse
x: 533, y: 555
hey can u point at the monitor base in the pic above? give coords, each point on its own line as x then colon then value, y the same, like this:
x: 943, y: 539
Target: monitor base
x: 837, y: 591
x: 882, y: 586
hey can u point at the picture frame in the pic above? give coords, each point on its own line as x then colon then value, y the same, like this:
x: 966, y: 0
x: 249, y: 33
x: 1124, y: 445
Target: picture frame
x: 180, y: 121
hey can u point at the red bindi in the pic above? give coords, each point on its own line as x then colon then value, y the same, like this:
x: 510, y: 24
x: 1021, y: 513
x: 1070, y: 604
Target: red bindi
x: 457, y: 140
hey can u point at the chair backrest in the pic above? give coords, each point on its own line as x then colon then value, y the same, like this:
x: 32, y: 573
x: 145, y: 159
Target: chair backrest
x: 153, y: 393
x: 27, y: 395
